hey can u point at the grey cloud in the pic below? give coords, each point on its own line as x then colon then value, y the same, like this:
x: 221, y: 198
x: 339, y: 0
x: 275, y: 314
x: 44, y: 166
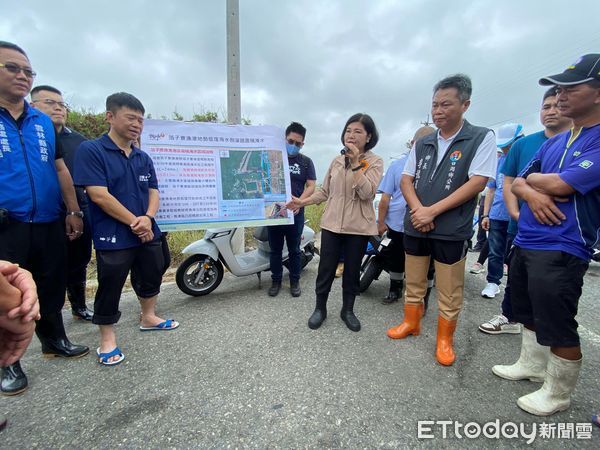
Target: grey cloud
x: 311, y: 61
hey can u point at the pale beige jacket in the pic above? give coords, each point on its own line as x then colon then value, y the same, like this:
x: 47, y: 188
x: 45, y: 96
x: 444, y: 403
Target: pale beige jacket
x: 349, y: 205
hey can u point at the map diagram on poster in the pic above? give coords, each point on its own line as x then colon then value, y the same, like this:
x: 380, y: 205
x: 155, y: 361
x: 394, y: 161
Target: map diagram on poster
x: 216, y: 175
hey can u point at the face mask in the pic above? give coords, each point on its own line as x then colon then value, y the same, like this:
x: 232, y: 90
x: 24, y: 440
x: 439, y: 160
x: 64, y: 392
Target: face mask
x: 292, y: 150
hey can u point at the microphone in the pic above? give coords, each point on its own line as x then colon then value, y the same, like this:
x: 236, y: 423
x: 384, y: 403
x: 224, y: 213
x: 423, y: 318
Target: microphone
x: 343, y: 151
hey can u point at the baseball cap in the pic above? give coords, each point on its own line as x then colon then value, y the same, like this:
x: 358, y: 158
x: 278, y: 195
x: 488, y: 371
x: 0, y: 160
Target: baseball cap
x: 586, y: 68
x: 508, y: 133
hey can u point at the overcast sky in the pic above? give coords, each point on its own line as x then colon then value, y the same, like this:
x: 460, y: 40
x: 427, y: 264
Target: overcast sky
x: 313, y: 61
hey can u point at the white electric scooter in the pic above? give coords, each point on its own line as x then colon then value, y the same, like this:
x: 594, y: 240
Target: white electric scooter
x: 202, y: 272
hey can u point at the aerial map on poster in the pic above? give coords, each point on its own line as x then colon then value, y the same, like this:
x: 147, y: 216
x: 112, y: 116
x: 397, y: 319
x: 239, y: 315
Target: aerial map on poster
x: 216, y: 175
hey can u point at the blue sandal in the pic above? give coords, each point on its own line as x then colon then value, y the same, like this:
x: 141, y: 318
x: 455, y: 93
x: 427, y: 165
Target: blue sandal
x: 103, y: 358
x: 167, y: 325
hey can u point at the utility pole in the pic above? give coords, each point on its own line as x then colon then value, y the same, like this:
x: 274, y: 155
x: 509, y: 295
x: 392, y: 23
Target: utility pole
x: 234, y: 101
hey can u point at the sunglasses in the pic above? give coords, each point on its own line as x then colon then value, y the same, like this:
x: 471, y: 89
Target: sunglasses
x: 15, y: 69
x: 296, y: 143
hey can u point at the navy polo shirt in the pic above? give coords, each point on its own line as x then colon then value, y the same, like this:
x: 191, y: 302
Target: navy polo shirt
x: 100, y: 162
x: 575, y: 156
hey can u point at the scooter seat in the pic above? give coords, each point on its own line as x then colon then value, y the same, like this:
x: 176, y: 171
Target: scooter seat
x: 261, y: 234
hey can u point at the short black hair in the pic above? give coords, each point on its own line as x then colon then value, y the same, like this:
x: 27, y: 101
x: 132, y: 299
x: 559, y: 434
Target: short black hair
x: 120, y: 100
x: 369, y: 125
x: 460, y: 82
x: 296, y: 127
x: 549, y: 93
x: 11, y: 46
x: 45, y: 87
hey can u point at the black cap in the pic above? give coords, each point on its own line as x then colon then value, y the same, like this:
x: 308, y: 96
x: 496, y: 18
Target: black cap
x: 586, y: 68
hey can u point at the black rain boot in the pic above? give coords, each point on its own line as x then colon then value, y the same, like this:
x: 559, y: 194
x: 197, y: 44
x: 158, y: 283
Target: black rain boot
x: 395, y: 292
x: 320, y: 313
x: 51, y: 332
x: 274, y: 289
x: 76, y: 295
x: 295, y: 288
x: 347, y: 313
x: 14, y: 380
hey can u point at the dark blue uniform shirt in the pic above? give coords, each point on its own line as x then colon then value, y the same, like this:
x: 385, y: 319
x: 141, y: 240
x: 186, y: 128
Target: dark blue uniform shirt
x: 101, y: 162
x: 575, y: 156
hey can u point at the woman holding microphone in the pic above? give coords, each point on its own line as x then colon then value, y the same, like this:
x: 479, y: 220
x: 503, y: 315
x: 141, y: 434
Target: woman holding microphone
x: 348, y: 189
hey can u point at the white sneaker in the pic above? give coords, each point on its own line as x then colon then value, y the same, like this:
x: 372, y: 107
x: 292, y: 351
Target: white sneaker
x: 499, y: 325
x: 477, y: 268
x: 490, y: 290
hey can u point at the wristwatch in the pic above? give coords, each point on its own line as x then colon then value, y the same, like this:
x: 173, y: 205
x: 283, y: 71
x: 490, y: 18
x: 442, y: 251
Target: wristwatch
x: 76, y: 213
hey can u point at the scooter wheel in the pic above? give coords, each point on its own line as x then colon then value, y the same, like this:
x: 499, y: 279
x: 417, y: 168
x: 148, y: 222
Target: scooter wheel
x: 199, y: 275
x: 370, y: 271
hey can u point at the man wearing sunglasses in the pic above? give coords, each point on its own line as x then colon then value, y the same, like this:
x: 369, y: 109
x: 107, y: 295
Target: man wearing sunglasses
x: 303, y: 180
x: 34, y: 183
x: 50, y: 101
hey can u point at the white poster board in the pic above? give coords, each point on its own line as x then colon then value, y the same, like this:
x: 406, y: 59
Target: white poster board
x: 216, y: 175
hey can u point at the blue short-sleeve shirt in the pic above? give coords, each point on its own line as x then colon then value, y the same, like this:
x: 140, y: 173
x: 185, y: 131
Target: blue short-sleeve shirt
x: 391, y: 185
x: 517, y: 159
x: 576, y: 158
x: 498, y: 210
x: 101, y: 162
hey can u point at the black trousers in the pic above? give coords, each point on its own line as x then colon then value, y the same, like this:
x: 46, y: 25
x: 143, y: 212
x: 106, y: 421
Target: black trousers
x: 446, y: 252
x: 481, y: 233
x: 79, y: 253
x: 333, y: 245
x: 545, y: 286
x: 147, y: 265
x: 393, y: 254
x: 41, y: 249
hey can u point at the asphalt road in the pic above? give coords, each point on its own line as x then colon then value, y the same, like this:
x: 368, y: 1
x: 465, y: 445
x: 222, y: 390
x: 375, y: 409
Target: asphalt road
x: 244, y: 370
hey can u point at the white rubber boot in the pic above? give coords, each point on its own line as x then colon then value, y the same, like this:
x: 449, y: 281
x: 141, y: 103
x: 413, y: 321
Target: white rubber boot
x: 555, y: 394
x: 531, y: 364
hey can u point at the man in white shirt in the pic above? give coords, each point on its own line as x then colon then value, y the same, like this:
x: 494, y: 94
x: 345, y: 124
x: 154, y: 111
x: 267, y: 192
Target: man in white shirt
x: 442, y: 177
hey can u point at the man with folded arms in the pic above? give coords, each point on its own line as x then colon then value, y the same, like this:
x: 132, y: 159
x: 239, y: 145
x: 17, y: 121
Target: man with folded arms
x: 558, y: 227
